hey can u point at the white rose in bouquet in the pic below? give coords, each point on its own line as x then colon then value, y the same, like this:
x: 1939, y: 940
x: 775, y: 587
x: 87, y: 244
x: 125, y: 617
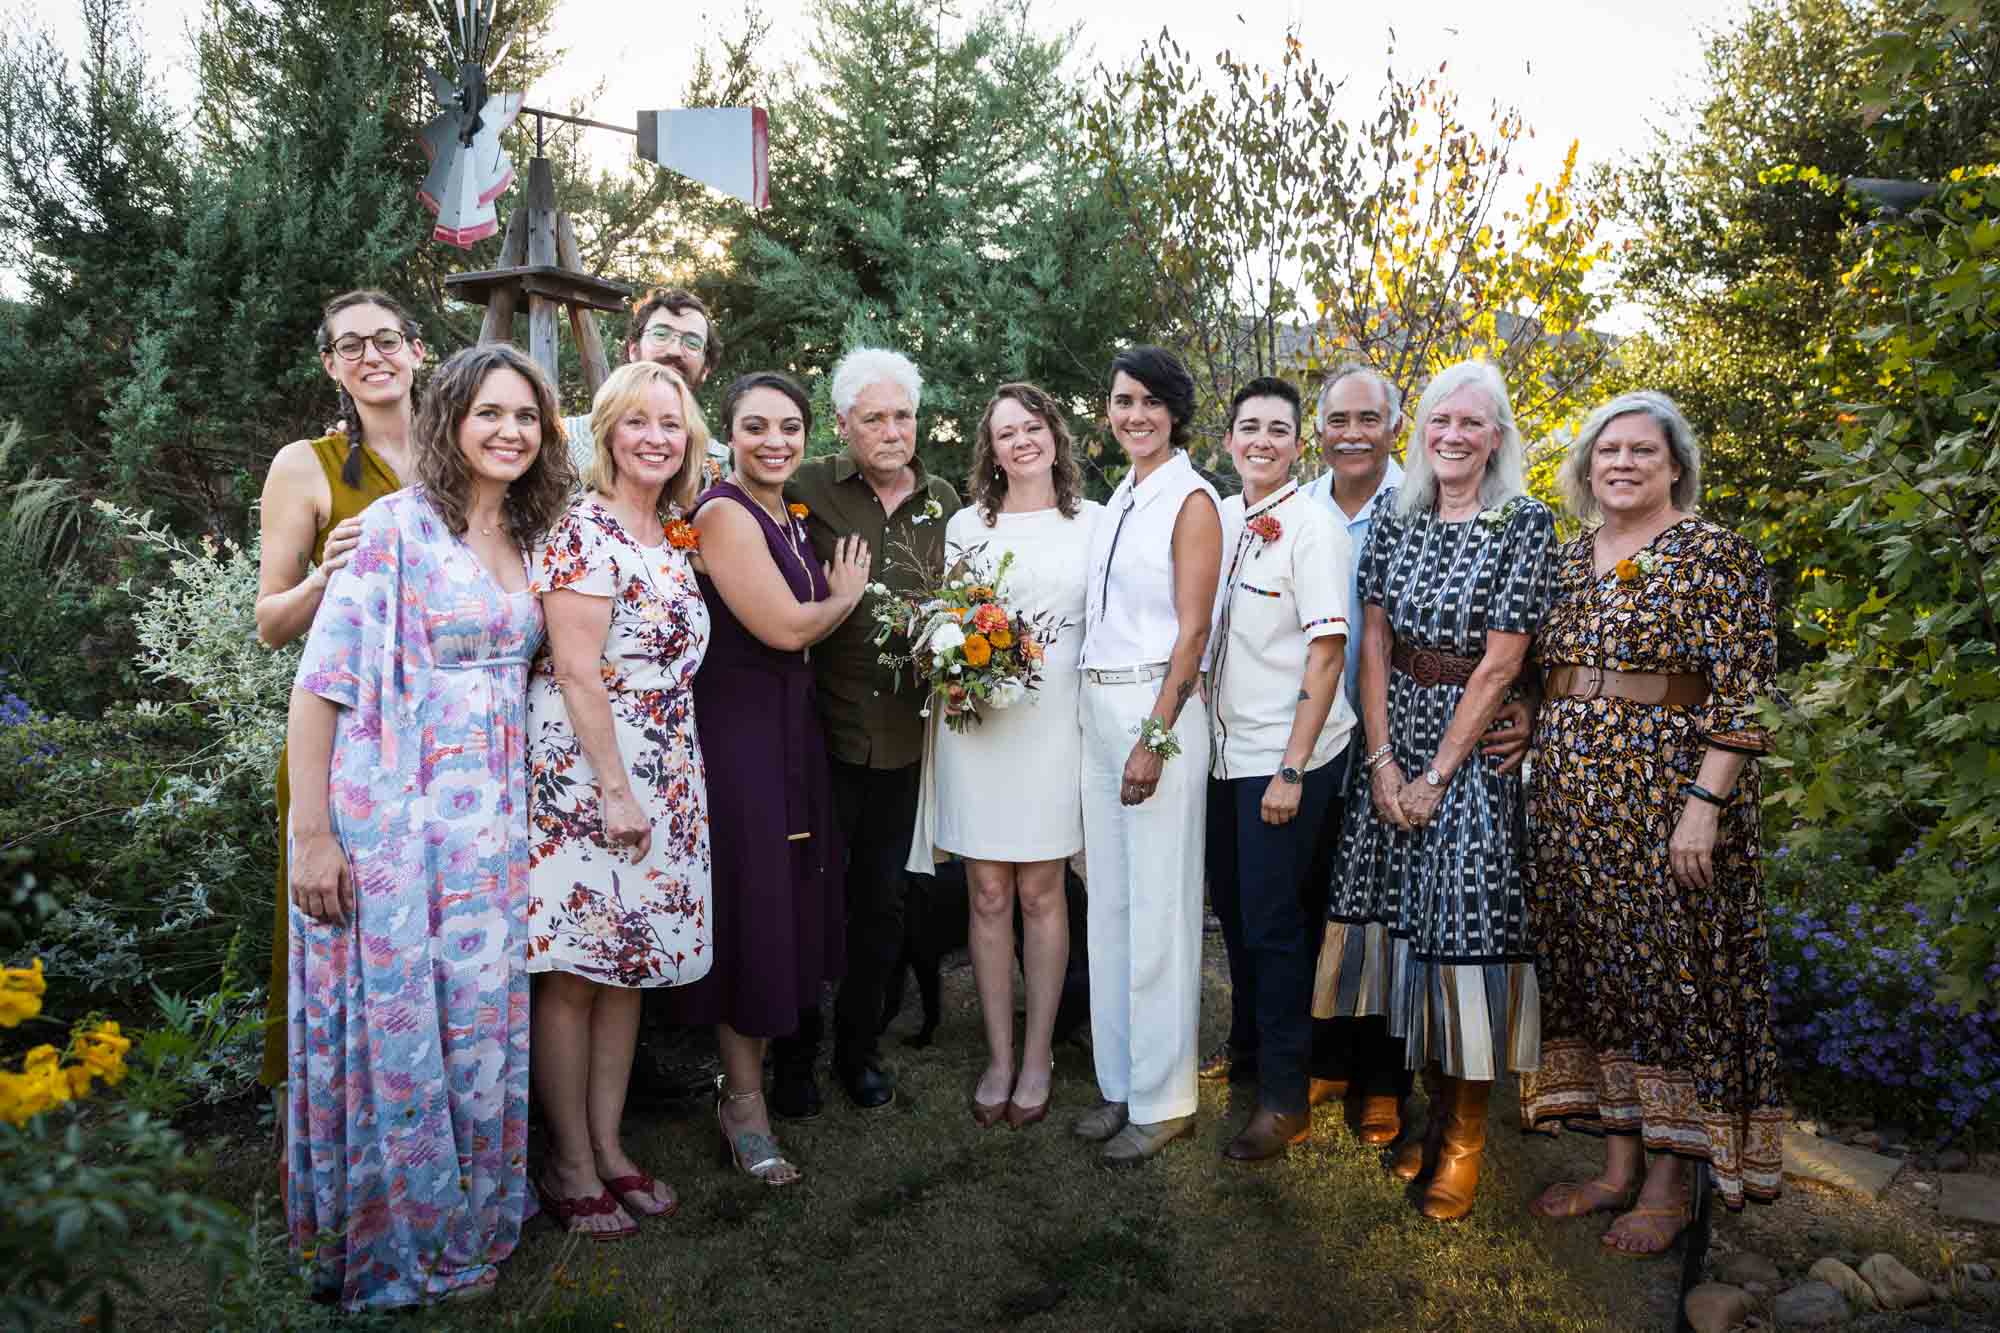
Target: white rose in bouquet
x: 946, y: 639
x: 1006, y: 694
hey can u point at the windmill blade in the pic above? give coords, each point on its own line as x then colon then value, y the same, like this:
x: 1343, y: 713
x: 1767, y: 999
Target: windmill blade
x: 465, y: 178
x: 724, y: 147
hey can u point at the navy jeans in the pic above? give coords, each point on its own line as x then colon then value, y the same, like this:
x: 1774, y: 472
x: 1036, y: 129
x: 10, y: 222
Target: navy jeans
x: 1257, y: 884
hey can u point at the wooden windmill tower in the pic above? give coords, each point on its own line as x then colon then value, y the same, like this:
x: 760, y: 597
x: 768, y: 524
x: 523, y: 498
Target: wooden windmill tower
x: 722, y: 147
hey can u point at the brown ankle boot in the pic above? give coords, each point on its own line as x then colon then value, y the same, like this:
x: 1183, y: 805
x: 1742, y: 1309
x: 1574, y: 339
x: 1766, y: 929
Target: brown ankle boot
x: 1417, y: 1157
x: 1449, y: 1195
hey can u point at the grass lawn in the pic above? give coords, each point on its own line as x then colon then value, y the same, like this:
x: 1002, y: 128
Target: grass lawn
x: 912, y: 1218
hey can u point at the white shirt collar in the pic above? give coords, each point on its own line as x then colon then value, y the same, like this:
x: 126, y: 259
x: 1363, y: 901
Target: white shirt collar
x: 1321, y: 489
x: 1274, y: 497
x: 1143, y: 494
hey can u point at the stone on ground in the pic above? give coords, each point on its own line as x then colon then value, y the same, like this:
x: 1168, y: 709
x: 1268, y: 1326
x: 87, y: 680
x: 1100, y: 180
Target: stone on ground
x: 1744, y: 1267
x: 1971, y: 1199
x: 1810, y: 1305
x: 1895, y: 1286
x: 1854, y: 1170
x: 1716, y: 1307
x: 1845, y: 1281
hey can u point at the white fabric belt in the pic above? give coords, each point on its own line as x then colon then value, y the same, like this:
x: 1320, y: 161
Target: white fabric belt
x: 1126, y: 675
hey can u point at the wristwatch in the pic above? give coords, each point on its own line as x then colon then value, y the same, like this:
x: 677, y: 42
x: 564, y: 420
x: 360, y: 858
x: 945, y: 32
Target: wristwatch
x: 1291, y: 775
x: 1435, y: 778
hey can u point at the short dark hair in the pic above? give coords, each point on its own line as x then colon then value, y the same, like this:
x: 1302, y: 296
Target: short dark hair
x: 1165, y: 378
x: 675, y: 301
x: 743, y: 385
x: 1268, y: 386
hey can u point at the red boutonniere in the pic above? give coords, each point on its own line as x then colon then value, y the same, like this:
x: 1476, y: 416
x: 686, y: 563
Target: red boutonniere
x: 1266, y: 526
x: 683, y: 536
x: 797, y: 511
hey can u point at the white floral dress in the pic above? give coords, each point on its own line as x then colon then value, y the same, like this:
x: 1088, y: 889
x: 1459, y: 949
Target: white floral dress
x: 591, y: 910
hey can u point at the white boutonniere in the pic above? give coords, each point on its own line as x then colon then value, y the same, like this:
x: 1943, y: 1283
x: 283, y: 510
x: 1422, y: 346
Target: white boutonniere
x: 1493, y: 518
x: 932, y: 509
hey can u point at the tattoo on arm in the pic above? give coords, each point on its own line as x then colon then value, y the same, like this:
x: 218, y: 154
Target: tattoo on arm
x: 1185, y: 693
x: 1303, y: 696
x: 305, y: 563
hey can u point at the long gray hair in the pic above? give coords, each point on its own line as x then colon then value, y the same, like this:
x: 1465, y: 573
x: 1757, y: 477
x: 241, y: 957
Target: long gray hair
x: 1506, y: 467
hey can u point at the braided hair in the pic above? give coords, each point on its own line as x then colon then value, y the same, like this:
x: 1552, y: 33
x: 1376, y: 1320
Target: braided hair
x: 350, y: 470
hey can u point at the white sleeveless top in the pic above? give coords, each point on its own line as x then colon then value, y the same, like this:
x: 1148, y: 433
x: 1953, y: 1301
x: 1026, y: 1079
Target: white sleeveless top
x: 1129, y: 616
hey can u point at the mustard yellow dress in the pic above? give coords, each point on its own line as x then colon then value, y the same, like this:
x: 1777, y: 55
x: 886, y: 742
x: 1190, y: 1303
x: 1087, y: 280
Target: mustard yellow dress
x: 348, y: 502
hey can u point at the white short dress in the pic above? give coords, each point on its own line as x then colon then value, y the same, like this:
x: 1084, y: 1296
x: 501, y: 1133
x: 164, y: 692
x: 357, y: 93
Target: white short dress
x: 1009, y: 789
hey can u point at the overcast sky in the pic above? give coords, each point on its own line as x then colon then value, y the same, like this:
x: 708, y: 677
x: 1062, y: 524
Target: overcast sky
x: 1598, y: 71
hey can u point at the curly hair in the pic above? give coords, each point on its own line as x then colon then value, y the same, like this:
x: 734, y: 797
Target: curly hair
x: 989, y: 480
x: 538, y: 496
x: 350, y: 469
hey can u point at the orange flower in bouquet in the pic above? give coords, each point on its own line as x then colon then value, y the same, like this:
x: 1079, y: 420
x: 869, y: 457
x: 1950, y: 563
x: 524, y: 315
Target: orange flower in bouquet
x: 959, y: 639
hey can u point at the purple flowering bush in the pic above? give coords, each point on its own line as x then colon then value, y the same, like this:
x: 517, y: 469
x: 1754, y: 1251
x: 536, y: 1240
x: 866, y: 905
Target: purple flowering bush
x: 1858, y: 955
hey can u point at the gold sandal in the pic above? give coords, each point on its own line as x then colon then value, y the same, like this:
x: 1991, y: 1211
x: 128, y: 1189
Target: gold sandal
x: 1649, y: 1227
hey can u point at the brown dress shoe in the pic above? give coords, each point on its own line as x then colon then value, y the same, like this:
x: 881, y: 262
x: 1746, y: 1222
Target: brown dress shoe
x: 1380, y: 1121
x: 1417, y: 1157
x: 1320, y: 1091
x: 1268, y: 1134
x: 1449, y: 1195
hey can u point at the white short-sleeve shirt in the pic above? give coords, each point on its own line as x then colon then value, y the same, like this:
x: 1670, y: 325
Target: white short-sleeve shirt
x: 1280, y: 592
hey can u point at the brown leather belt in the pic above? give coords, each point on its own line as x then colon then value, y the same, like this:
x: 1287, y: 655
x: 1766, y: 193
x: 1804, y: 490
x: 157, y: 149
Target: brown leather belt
x: 1685, y: 690
x: 1428, y: 666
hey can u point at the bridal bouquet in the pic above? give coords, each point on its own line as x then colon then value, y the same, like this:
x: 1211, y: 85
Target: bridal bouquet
x: 970, y: 650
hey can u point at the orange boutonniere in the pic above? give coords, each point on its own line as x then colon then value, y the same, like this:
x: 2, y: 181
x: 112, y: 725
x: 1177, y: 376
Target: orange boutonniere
x: 797, y: 511
x: 1626, y: 570
x: 683, y: 535
x: 1266, y: 526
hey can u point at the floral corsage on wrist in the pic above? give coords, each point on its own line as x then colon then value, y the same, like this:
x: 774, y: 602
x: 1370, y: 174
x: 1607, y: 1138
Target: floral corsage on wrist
x: 1157, y: 737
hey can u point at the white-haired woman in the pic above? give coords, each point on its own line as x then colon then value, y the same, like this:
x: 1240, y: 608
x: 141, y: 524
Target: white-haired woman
x: 1426, y: 925
x: 1644, y: 887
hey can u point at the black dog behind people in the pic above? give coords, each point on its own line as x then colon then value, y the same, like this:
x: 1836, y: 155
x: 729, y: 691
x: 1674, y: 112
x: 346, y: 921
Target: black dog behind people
x: 934, y: 924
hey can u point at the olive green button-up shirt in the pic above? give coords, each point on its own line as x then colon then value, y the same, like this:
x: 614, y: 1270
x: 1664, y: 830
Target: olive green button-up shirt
x: 869, y: 721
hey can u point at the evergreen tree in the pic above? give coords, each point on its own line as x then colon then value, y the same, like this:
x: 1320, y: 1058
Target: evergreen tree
x: 927, y: 195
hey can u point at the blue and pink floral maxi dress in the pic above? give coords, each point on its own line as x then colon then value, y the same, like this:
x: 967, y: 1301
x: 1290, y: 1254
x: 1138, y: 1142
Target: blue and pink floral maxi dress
x: 408, y: 1044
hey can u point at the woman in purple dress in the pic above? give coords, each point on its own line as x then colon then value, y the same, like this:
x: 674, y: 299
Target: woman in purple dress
x: 773, y: 845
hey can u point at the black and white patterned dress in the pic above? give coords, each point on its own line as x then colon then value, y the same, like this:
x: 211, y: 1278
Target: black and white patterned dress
x: 1429, y: 927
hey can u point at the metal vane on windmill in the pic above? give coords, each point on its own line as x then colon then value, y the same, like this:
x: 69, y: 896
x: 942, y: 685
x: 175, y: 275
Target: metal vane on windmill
x: 724, y: 147
x: 469, y: 169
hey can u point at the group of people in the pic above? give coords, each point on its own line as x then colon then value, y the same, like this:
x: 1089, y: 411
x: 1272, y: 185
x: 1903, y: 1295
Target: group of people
x: 582, y: 721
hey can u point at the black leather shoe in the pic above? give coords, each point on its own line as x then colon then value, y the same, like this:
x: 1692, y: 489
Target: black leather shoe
x: 794, y: 1095
x: 868, y: 1087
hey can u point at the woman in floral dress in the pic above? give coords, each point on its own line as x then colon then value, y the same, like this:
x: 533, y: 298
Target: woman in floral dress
x: 408, y: 1051
x: 1644, y: 890
x: 618, y: 886
x: 1426, y: 922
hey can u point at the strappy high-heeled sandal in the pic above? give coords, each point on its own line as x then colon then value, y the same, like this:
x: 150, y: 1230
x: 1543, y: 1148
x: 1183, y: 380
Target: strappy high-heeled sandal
x: 755, y: 1155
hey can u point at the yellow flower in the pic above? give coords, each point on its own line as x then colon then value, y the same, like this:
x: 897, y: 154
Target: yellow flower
x: 102, y: 1050
x: 1626, y: 570
x: 78, y: 1078
x: 21, y: 991
x: 978, y: 652
x: 40, y: 1086
x: 1001, y: 638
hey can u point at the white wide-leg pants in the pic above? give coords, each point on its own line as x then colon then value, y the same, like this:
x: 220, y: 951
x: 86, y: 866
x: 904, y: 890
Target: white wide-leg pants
x: 1145, y: 867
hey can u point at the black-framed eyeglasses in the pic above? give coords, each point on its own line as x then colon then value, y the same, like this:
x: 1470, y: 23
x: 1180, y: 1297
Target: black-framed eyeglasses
x: 387, y: 341
x: 660, y: 335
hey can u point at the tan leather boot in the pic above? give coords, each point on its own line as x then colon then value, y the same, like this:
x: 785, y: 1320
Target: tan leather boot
x: 1418, y: 1154
x: 1449, y: 1195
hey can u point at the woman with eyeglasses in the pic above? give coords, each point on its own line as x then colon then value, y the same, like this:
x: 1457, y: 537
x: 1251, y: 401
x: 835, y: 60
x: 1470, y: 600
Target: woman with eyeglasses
x: 311, y: 520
